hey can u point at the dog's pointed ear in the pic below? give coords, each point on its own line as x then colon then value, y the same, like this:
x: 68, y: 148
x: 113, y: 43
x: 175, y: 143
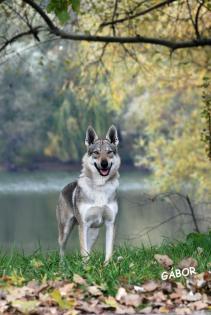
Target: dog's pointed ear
x: 112, y: 135
x: 91, y: 136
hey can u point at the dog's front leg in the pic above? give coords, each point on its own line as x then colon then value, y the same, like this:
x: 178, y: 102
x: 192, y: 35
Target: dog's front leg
x: 83, y: 232
x: 110, y: 230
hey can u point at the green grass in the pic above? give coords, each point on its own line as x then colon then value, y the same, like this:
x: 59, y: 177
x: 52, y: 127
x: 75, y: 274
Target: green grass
x: 129, y: 265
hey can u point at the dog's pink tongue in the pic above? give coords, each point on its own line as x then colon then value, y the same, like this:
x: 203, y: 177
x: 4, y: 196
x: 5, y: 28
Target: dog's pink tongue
x: 104, y: 172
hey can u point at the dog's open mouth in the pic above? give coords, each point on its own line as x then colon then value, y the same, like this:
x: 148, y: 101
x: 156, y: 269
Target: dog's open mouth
x: 103, y: 171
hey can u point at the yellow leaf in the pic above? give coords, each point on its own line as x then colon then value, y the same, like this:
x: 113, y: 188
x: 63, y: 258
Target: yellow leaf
x: 62, y: 302
x: 17, y: 279
x: 163, y: 309
x: 36, y: 263
x: 110, y: 300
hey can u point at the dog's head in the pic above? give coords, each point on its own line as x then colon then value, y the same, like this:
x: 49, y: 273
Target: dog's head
x: 102, y: 153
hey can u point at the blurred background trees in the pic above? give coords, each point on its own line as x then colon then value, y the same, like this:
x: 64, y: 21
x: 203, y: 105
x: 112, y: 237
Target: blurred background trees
x: 53, y: 89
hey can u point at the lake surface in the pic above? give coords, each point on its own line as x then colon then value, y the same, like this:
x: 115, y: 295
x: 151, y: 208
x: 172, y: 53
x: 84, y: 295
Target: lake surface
x: 28, y: 202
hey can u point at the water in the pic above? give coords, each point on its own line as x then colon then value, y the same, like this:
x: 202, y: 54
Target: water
x: 28, y: 202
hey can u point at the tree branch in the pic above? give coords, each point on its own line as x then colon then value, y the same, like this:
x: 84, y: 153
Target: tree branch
x: 32, y: 31
x: 180, y: 213
x: 197, y: 18
x: 141, y: 234
x: 124, y: 40
x: 133, y: 16
x: 192, y: 213
x: 113, y: 17
x: 134, y: 40
x: 195, y: 22
x: 53, y: 29
x: 39, y: 10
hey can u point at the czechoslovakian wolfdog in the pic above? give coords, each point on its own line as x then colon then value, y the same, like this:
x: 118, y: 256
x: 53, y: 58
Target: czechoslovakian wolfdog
x: 91, y: 200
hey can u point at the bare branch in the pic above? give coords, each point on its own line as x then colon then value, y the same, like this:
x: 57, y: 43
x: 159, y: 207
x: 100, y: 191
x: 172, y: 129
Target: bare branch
x: 45, y: 17
x: 121, y: 40
x: 53, y: 29
x: 192, y: 213
x: 197, y: 18
x: 113, y: 17
x: 32, y: 31
x: 25, y: 19
x: 195, y: 22
x: 190, y: 13
x: 159, y: 225
x: 181, y: 212
x: 130, y: 17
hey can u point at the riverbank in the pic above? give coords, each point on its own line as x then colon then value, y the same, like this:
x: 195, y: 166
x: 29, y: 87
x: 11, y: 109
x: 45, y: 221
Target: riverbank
x: 132, y: 281
x: 53, y: 164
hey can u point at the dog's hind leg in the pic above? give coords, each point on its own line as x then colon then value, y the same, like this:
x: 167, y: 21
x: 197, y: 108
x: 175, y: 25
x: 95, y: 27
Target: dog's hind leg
x: 64, y: 232
x: 66, y: 221
x: 92, y: 237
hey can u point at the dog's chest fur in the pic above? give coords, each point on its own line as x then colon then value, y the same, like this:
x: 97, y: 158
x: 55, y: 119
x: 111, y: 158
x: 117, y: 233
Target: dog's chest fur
x: 98, y: 194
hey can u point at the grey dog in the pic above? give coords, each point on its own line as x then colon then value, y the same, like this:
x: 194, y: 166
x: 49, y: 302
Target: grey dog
x: 91, y: 201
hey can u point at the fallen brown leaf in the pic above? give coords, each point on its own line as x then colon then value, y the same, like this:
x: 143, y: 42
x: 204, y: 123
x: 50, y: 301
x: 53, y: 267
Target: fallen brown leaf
x: 139, y: 289
x: 94, y: 290
x: 198, y: 306
x: 176, y: 295
x: 146, y: 310
x: 25, y: 306
x: 187, y: 263
x: 182, y: 311
x: 120, y: 294
x: 71, y: 312
x: 159, y: 296
x: 150, y: 286
x: 168, y: 286
x: 79, y: 280
x: 89, y: 308
x: 196, y: 282
x: 3, y: 306
x: 131, y: 300
x: 164, y: 261
x: 207, y: 278
x: 122, y: 309
x: 15, y: 293
x: 44, y: 310
x: 67, y: 289
x: 191, y: 297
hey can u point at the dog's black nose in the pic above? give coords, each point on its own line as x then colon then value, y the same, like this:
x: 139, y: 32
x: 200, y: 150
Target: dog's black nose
x: 104, y: 163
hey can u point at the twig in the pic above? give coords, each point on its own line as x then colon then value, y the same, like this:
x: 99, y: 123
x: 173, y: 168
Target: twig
x: 187, y: 200
x: 160, y: 224
x: 130, y: 17
x: 192, y: 213
x: 113, y: 17
x: 32, y: 31
x: 195, y: 22
x: 53, y: 29
x: 197, y: 18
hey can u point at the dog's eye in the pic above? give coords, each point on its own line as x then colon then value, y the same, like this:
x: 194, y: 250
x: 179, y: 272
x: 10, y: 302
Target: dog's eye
x: 109, y: 152
x: 96, y: 152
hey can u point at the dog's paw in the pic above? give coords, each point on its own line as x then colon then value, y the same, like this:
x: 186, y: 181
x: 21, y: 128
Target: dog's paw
x: 106, y: 262
x: 85, y: 259
x: 62, y: 263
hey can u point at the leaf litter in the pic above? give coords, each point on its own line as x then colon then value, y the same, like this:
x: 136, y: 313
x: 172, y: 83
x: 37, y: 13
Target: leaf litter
x: 64, y: 297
